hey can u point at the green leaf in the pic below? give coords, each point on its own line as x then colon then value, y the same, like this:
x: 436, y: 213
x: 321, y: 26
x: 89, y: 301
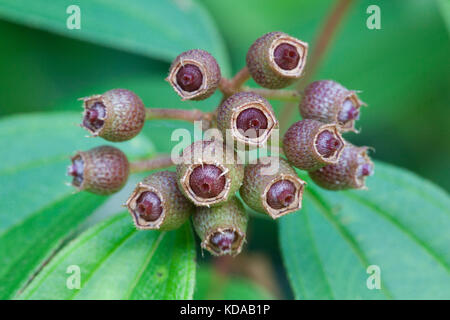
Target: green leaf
x: 38, y: 210
x: 214, y: 286
x: 158, y: 29
x: 119, y: 262
x: 444, y: 6
x: 400, y: 225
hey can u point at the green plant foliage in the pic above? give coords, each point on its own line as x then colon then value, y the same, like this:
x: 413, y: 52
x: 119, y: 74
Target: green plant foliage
x: 38, y: 210
x: 157, y: 29
x: 213, y: 286
x: 119, y: 262
x: 401, y: 225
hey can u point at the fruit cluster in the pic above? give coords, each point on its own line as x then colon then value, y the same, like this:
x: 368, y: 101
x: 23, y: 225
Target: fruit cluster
x: 209, y: 172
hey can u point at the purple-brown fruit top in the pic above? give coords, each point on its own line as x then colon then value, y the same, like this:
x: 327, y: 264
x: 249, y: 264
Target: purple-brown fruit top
x: 148, y: 206
x: 94, y: 117
x: 76, y: 171
x: 252, y: 122
x: 224, y: 240
x: 327, y: 143
x: 207, y: 181
x: 194, y: 75
x: 286, y: 56
x: 348, y: 112
x: 281, y: 194
x: 189, y: 78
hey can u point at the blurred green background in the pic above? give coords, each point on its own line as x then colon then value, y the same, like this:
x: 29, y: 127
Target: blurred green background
x: 403, y: 70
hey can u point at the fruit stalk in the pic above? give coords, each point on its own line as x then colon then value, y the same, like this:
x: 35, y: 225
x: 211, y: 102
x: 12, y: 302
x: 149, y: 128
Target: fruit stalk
x: 159, y: 162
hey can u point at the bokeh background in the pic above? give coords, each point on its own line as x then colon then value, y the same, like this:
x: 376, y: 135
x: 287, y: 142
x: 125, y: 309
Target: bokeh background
x: 403, y: 71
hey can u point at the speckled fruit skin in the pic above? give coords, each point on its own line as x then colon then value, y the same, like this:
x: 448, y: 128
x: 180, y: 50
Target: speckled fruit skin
x: 299, y: 144
x: 323, y: 100
x: 229, y: 216
x: 261, y: 65
x: 208, y: 67
x: 105, y: 171
x: 257, y: 183
x: 176, y: 208
x: 125, y: 114
x: 214, y: 153
x: 343, y: 175
x: 230, y: 109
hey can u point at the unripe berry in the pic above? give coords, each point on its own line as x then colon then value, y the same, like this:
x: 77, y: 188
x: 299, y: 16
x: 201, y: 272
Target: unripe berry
x: 330, y: 102
x: 221, y: 228
x: 116, y: 115
x: 311, y: 144
x: 272, y: 186
x: 248, y: 116
x: 349, y: 172
x: 209, y: 173
x: 276, y: 60
x: 157, y: 204
x: 101, y: 170
x: 194, y: 75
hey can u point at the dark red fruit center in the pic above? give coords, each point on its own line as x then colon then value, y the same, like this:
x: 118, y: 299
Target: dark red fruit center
x: 252, y: 122
x: 286, y: 56
x: 94, y: 117
x: 281, y: 194
x: 223, y: 240
x: 189, y: 78
x: 327, y: 143
x: 207, y: 181
x: 76, y: 171
x: 366, y: 170
x: 148, y: 206
x: 348, y: 112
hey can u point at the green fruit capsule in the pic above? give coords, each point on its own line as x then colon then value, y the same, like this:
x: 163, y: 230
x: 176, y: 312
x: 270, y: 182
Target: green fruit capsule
x: 330, y: 102
x: 157, y: 204
x: 194, y: 75
x: 116, y: 115
x: 311, y: 144
x: 349, y: 172
x: 272, y: 186
x: 276, y: 60
x: 209, y: 173
x: 101, y: 170
x: 222, y: 228
x: 248, y: 117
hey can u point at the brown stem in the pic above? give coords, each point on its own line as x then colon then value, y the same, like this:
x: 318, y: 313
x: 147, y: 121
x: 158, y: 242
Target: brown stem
x: 283, y: 95
x: 160, y: 162
x: 323, y: 42
x: 231, y: 86
x: 174, y: 114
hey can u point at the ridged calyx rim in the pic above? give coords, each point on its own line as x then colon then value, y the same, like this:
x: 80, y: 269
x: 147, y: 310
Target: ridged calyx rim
x: 362, y: 158
x: 214, y: 153
x: 302, y: 50
x: 272, y: 122
x: 88, y: 102
x: 335, y: 156
x: 209, y: 70
x: 172, y: 78
x: 197, y: 200
x: 296, y: 203
x: 139, y: 222
x: 235, y: 249
x: 351, y: 95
